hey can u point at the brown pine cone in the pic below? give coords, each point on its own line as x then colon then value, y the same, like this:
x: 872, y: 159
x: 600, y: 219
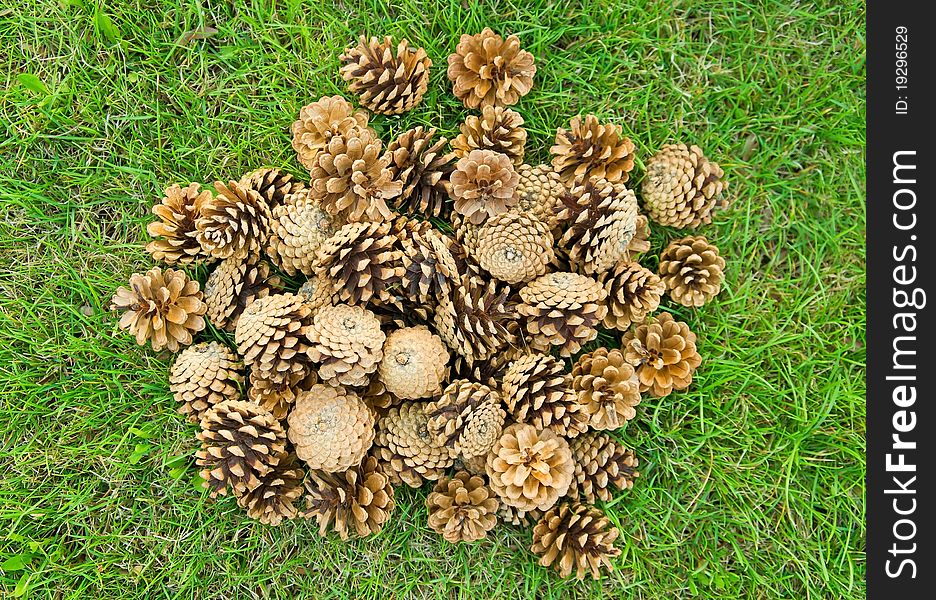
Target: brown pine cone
x: 235, y: 223
x: 272, y: 184
x: 530, y: 468
x: 298, y: 229
x: 270, y: 337
x: 640, y: 243
x: 272, y: 500
x: 360, y: 498
x: 537, y: 391
x: 462, y: 508
x: 483, y: 185
x: 601, y: 462
x: 606, y: 387
x: 175, y: 231
x: 407, y: 452
x: 387, y: 82
x: 489, y: 70
x: 363, y: 260
x: 588, y: 149
x: 467, y: 418
x: 562, y: 309
x: 633, y: 293
x: 234, y: 285
x: 514, y: 247
x: 204, y: 375
x: 331, y: 428
x: 278, y: 396
x: 241, y: 442
x: 430, y: 270
x: 317, y: 291
x: 423, y: 167
x: 319, y: 122
x: 162, y: 307
x: 540, y: 191
x: 519, y: 518
x: 414, y: 364
x: 476, y: 321
x: 682, y: 188
x: 347, y: 343
x: 499, y: 129
x: 692, y: 270
x: 663, y: 350
x: 575, y: 536
x: 601, y: 220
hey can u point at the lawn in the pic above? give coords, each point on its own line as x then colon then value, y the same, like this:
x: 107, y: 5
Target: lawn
x: 753, y: 479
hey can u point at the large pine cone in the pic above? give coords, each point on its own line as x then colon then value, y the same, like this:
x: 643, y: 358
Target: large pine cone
x: 407, y: 451
x: 235, y: 223
x: 692, y: 270
x: 270, y: 336
x: 162, y: 307
x: 272, y: 184
x: 462, y: 508
x: 233, y: 286
x: 175, y: 231
x: 489, y: 70
x: 241, y: 442
x: 273, y: 500
x: 322, y: 120
x: 347, y: 343
x: 331, y: 428
x: 483, y: 185
x: 278, y: 396
x: 633, y: 293
x: 540, y: 191
x: 423, y: 167
x: 663, y: 350
x: 414, y: 364
x: 363, y: 261
x: 499, y: 129
x: 430, y: 269
x: 530, y: 468
x: 467, y: 418
x: 601, y: 220
x: 360, y: 498
x: 537, y: 391
x: 682, y: 188
x: 607, y: 388
x: 562, y: 309
x: 204, y: 375
x: 600, y: 463
x: 388, y: 83
x: 299, y: 228
x: 589, y: 149
x: 476, y: 322
x: 514, y: 247
x: 575, y: 537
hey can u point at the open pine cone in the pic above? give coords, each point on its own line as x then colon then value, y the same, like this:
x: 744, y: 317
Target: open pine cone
x: 235, y: 223
x: 530, y: 468
x: 414, y: 364
x: 499, y: 129
x: 387, y: 82
x: 423, y: 168
x: 692, y: 270
x: 562, y: 309
x: 590, y: 149
x: 360, y: 498
x: 235, y: 284
x: 331, y: 428
x: 347, y: 343
x: 175, y: 231
x: 430, y: 270
x: 519, y: 518
x: 272, y: 184
x: 489, y: 70
x: 467, y: 418
x: 483, y: 185
x: 300, y: 225
x: 539, y: 191
x: 270, y: 336
x: 663, y: 350
x: 537, y: 391
x: 407, y: 451
x: 273, y: 500
x: 362, y: 260
x: 476, y: 322
x: 319, y: 122
x: 607, y: 388
x: 204, y: 375
x: 278, y: 396
x: 514, y: 247
x: 601, y: 463
x: 575, y: 537
x: 682, y: 188
x: 633, y: 293
x: 462, y: 508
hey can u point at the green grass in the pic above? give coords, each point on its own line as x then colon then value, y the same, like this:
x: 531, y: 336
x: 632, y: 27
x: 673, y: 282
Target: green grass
x: 753, y: 479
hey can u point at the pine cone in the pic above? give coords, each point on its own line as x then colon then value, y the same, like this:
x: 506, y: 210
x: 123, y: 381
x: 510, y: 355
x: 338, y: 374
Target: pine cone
x: 387, y: 83
x: 467, y: 418
x: 530, y: 468
x: 601, y: 221
x: 272, y: 500
x: 515, y: 247
x: 640, y: 243
x: 204, y: 375
x: 483, y: 185
x: 278, y: 396
x: 607, y: 388
x: 317, y: 291
x: 590, y: 149
x: 272, y: 184
x: 331, y: 428
x: 466, y: 234
x: 474, y: 465
x: 347, y: 343
x: 540, y: 191
x: 562, y: 309
x: 663, y: 350
x: 235, y: 223
x: 476, y: 322
x: 462, y: 508
x: 423, y: 168
x: 499, y: 129
x: 415, y: 363
x: 175, y: 232
x: 164, y: 307
x: 376, y: 396
x: 682, y: 187
x: 406, y: 450
x: 692, y: 270
x: 430, y: 270
x: 575, y: 536
x: 270, y: 336
x: 519, y: 518
x: 537, y: 391
x: 241, y: 442
x: 319, y: 122
x: 233, y: 286
x: 601, y: 462
x: 299, y: 228
x: 360, y: 498
x: 633, y: 293
x: 363, y: 260
x: 488, y: 70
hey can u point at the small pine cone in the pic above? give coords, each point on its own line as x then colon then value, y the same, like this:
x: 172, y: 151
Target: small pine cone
x: 388, y: 83
x: 540, y: 191
x: 423, y: 167
x: 162, y: 307
x: 278, y: 396
x: 519, y: 518
x: 682, y: 188
x: 430, y: 270
x: 363, y: 260
x: 607, y: 388
x: 298, y: 229
x: 406, y: 450
x: 360, y: 498
x: 474, y: 465
x: 272, y: 184
x: 537, y: 391
x: 601, y: 220
x: 467, y: 418
x: 488, y: 372
x: 601, y: 462
x: 233, y: 286
x: 692, y: 270
x: 499, y: 129
x: 663, y: 350
x: 483, y: 185
x: 575, y: 536
x: 476, y: 321
x: 466, y: 234
x: 640, y: 243
x: 204, y: 375
x: 235, y: 223
x: 175, y: 231
x: 347, y: 343
x: 462, y: 508
x: 351, y: 180
x: 633, y: 293
x: 270, y: 337
x: 273, y: 500
x: 515, y: 247
x: 489, y: 70
x: 331, y: 428
x: 562, y: 309
x: 319, y: 122
x: 241, y: 442
x: 530, y: 468
x: 317, y: 291
x: 414, y: 364
x: 588, y: 149
x: 377, y: 397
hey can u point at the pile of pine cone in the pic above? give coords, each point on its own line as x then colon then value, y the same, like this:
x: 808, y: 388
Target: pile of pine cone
x: 405, y: 315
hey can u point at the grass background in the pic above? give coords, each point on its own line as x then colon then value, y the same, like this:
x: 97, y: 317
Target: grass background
x: 753, y: 479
